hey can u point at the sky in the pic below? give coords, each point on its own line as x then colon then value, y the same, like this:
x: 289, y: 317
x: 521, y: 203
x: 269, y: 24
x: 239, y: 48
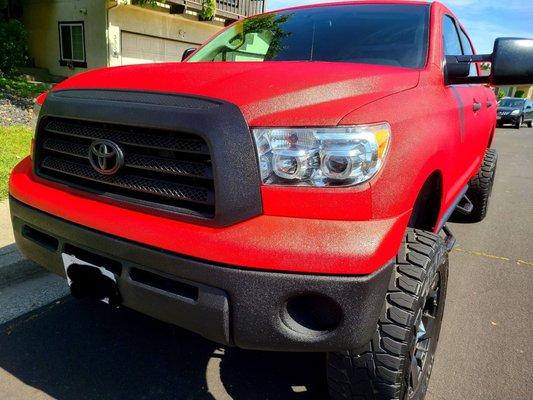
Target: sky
x: 484, y: 20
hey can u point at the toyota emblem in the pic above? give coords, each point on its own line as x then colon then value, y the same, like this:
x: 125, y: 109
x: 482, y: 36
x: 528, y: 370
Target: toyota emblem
x: 106, y: 157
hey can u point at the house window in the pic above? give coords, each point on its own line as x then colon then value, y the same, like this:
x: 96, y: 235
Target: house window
x: 72, y: 44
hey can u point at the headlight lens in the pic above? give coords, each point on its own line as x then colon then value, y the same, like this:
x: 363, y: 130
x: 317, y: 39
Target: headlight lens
x: 341, y: 156
x: 515, y: 112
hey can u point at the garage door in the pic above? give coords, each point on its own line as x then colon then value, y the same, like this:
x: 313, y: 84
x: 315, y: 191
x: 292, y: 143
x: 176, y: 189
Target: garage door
x: 139, y: 49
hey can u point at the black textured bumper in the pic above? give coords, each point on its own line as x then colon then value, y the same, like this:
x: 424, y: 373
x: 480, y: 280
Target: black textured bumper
x: 232, y: 306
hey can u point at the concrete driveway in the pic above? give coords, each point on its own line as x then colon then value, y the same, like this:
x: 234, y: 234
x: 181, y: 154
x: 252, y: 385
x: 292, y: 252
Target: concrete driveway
x: 81, y: 350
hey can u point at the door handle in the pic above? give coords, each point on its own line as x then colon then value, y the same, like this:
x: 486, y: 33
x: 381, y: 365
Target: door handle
x: 476, y: 106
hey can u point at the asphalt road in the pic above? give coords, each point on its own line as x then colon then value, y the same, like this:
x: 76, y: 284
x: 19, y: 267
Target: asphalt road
x: 81, y: 350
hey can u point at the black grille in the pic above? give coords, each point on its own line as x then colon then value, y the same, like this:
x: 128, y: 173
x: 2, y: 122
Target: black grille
x: 161, y: 168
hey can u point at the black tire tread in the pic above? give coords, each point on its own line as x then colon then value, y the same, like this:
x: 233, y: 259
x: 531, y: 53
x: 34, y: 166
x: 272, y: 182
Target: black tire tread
x: 480, y: 186
x: 377, y: 371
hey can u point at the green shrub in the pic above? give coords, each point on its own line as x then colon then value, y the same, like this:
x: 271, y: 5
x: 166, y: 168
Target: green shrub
x: 501, y: 94
x: 519, y: 93
x: 209, y: 8
x: 13, y: 52
x: 21, y: 88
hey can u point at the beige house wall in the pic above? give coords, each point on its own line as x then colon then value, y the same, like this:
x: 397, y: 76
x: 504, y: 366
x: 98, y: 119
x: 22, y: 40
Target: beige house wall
x: 41, y: 18
x: 184, y: 31
x: 105, y: 21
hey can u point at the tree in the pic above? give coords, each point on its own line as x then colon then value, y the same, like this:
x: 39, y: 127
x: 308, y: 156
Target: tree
x: 501, y: 94
x: 13, y: 52
x: 519, y: 93
x: 209, y: 8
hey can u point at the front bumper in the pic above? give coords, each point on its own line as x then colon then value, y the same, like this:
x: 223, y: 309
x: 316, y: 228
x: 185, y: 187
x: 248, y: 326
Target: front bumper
x: 507, y: 119
x: 246, y: 308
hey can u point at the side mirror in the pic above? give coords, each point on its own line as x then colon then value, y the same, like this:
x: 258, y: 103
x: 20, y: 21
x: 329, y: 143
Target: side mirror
x: 455, y: 70
x: 512, y: 62
x: 188, y: 52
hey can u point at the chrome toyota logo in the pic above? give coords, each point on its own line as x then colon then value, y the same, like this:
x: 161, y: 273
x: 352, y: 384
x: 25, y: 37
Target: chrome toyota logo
x: 105, y: 156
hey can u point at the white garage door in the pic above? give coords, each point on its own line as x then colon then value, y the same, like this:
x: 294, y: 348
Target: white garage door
x: 139, y: 49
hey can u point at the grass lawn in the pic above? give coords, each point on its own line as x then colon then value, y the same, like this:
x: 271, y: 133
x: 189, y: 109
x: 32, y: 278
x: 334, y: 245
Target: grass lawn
x: 14, y: 146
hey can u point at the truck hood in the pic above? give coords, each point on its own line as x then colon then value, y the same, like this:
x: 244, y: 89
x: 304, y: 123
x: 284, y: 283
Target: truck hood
x: 268, y: 93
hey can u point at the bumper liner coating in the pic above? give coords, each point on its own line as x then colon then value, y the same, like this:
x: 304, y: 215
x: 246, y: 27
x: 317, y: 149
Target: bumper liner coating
x: 233, y: 306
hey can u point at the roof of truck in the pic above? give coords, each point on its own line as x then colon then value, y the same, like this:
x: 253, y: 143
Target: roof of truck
x: 348, y: 2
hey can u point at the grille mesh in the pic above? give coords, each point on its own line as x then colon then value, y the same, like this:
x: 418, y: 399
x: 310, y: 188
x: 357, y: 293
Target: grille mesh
x: 160, y: 168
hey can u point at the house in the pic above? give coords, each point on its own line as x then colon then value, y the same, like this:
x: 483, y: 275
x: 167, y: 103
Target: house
x: 70, y: 36
x: 511, y: 91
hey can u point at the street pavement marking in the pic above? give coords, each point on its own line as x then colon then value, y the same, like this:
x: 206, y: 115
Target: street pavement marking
x: 494, y: 257
x: 215, y: 386
x: 526, y: 263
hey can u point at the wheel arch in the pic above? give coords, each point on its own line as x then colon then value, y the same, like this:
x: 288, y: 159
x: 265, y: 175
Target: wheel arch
x: 426, y: 208
x: 491, y: 136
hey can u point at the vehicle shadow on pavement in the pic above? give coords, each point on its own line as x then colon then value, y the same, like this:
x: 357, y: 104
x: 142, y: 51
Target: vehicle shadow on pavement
x: 86, y: 350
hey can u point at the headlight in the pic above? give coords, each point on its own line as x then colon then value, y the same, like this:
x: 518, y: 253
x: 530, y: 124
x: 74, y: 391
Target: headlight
x: 341, y: 156
x: 515, y: 112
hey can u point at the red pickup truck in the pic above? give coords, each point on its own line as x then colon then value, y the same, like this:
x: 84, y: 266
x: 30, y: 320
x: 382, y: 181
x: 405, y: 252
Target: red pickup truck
x: 285, y: 188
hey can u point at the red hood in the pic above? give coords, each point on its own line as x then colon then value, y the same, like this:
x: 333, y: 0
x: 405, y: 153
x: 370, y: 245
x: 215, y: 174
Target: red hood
x: 268, y: 93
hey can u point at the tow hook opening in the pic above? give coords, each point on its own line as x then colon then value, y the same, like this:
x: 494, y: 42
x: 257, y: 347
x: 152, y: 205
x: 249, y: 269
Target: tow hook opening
x: 87, y: 281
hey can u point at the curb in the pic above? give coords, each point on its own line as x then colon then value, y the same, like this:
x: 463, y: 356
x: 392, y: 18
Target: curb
x: 14, y: 267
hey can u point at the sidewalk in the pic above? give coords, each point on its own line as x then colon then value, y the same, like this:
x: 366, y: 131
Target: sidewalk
x: 24, y: 285
x: 13, y: 266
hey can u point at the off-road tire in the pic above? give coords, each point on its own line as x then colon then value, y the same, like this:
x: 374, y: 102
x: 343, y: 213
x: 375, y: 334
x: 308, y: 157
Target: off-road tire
x: 382, y: 370
x: 480, y: 189
x: 519, y: 122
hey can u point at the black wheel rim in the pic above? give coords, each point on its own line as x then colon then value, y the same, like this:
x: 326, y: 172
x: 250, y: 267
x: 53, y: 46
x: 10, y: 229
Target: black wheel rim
x: 426, y: 332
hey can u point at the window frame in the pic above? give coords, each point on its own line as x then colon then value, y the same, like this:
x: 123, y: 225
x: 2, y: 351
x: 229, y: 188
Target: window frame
x: 71, y: 62
x: 454, y: 22
x: 458, y: 30
x: 462, y: 33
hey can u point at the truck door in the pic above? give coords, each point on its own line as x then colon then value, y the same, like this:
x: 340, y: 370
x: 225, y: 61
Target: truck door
x: 528, y: 111
x: 471, y: 101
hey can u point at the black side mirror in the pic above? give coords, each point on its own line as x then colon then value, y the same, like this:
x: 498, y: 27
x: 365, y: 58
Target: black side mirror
x: 187, y: 53
x: 512, y: 62
x: 455, y: 70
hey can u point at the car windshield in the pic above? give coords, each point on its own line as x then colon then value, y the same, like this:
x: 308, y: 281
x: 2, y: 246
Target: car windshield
x: 386, y: 34
x: 516, y: 103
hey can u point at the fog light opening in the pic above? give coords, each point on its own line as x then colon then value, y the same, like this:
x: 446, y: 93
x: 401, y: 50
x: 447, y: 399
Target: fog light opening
x: 312, y: 314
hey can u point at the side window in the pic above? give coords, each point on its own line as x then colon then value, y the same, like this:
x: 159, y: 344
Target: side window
x: 468, y: 50
x: 452, y: 44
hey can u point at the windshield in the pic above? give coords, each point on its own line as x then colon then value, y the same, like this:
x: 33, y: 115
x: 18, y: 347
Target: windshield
x: 386, y: 34
x: 515, y: 103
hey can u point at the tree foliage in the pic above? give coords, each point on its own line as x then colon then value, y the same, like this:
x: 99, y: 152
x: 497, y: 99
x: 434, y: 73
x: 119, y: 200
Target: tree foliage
x: 209, y: 8
x: 150, y: 3
x: 271, y: 23
x: 13, y: 51
x: 519, y: 93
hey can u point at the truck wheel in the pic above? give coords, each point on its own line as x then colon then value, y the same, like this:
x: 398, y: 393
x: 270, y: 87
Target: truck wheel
x: 397, y: 363
x: 530, y: 124
x: 480, y: 189
x: 519, y: 122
